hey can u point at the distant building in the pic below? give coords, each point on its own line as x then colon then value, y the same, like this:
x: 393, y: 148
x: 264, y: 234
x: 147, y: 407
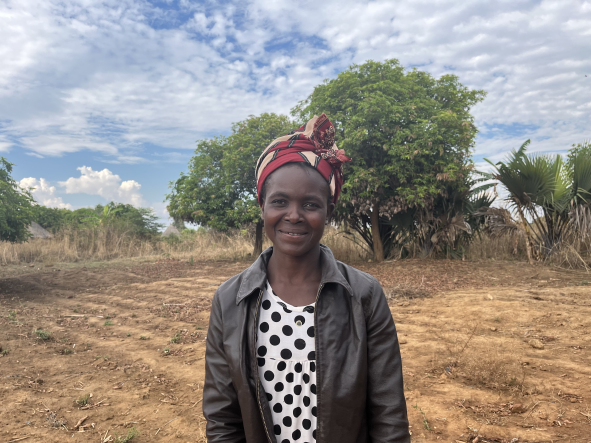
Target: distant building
x: 38, y: 231
x: 171, y: 230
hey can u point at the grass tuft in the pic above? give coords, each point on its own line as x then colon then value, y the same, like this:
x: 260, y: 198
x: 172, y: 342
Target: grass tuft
x: 131, y: 434
x: 176, y: 338
x: 43, y: 335
x: 83, y: 401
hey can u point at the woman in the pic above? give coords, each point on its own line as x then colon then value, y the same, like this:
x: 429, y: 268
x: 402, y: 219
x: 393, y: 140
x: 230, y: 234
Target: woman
x: 301, y: 347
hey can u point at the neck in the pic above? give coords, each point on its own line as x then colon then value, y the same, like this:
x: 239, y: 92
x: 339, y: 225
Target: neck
x: 293, y: 270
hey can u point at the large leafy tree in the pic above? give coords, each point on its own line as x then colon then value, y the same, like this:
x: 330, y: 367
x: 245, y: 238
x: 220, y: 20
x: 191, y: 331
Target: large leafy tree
x: 219, y: 190
x: 410, y: 136
x: 16, y: 206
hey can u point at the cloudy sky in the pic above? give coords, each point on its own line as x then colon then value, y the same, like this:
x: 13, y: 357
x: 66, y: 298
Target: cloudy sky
x: 104, y: 99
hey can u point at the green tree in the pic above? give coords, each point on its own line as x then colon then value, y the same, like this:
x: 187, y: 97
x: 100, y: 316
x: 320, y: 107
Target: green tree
x: 141, y: 221
x: 16, y: 206
x: 51, y: 219
x: 410, y: 137
x: 549, y: 195
x: 219, y: 191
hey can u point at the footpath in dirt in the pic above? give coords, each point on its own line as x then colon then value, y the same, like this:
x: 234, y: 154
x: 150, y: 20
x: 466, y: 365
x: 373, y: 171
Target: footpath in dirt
x: 492, y: 352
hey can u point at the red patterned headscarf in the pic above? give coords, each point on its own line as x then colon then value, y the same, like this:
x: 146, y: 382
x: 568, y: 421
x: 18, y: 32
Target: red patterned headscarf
x: 313, y: 144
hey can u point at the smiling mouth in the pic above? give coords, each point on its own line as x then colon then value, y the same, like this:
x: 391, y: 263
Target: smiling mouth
x: 293, y: 234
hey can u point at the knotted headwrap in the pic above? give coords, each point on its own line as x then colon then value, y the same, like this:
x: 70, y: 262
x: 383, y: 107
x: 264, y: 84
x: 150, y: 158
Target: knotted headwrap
x: 313, y: 144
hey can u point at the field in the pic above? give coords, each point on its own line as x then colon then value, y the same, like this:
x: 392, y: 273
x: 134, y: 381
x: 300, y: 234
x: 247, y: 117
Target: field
x: 492, y: 351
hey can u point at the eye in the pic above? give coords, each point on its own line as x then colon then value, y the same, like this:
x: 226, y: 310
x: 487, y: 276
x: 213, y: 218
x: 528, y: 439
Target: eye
x: 278, y: 201
x: 311, y: 205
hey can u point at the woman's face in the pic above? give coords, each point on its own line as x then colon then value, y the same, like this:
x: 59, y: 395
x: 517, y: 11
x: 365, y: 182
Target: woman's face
x: 295, y: 209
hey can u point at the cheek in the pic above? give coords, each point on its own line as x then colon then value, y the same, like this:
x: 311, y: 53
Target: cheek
x: 318, y: 221
x: 270, y: 218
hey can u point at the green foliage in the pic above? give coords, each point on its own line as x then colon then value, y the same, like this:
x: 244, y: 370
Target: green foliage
x: 51, y: 219
x: 177, y: 338
x: 219, y: 191
x: 16, y: 206
x: 83, y: 400
x: 577, y: 150
x: 546, y: 192
x: 43, y: 335
x: 410, y: 137
x: 140, y: 221
x: 131, y: 434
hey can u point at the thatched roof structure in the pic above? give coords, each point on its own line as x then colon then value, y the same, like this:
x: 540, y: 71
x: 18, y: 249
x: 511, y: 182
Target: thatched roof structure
x: 171, y: 230
x: 38, y: 231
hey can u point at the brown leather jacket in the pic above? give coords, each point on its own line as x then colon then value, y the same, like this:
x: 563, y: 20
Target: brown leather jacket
x: 360, y: 395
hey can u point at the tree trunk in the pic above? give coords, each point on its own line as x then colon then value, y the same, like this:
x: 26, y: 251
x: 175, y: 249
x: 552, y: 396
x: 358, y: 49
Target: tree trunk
x: 378, y: 247
x: 528, y: 242
x: 258, y: 240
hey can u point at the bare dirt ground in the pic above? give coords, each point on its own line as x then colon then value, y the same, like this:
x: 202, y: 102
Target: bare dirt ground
x: 492, y: 351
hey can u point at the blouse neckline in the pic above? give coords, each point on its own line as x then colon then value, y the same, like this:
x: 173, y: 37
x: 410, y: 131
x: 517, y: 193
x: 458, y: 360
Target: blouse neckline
x: 279, y: 300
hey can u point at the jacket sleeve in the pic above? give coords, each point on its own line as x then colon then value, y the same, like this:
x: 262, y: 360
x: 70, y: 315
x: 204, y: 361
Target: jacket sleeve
x: 387, y: 415
x: 220, y: 401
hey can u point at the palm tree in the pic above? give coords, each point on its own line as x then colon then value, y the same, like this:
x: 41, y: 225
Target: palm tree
x: 544, y: 190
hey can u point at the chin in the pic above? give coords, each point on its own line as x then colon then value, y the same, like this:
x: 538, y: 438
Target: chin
x: 293, y: 250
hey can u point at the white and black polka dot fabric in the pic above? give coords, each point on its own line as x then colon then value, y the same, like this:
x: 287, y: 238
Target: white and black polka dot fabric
x: 287, y: 367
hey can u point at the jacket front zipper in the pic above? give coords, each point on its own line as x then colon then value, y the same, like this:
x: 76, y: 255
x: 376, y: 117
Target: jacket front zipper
x: 256, y: 319
x: 317, y: 354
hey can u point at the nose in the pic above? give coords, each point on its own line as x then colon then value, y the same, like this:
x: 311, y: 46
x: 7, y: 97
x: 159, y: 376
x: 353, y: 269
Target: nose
x: 292, y: 214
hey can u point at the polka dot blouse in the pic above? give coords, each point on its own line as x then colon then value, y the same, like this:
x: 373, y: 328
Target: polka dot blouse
x: 287, y: 367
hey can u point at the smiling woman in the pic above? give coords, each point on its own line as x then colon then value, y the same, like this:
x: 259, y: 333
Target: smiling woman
x: 302, y: 347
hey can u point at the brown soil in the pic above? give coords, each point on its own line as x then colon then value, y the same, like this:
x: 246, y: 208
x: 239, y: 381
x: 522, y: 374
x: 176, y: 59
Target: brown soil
x: 492, y: 351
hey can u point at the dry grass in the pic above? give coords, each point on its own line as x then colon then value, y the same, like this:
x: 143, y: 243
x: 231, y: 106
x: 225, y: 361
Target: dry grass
x: 465, y: 355
x: 406, y: 291
x: 494, y: 368
x: 485, y: 247
x: 106, y: 243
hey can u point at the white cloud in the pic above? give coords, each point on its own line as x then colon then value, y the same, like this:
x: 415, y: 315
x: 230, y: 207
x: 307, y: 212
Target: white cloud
x: 98, y: 76
x: 4, y: 144
x: 105, y: 184
x: 43, y: 192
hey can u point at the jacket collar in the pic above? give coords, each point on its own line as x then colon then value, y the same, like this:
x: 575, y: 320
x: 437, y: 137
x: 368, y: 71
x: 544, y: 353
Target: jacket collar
x: 255, y: 277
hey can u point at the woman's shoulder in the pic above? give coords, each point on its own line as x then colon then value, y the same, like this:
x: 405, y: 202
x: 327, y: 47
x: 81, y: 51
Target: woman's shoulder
x: 361, y: 282
x: 233, y: 290
x: 228, y: 290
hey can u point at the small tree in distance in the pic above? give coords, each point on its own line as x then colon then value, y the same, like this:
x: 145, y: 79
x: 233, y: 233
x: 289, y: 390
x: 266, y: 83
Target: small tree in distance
x: 16, y: 206
x: 219, y: 190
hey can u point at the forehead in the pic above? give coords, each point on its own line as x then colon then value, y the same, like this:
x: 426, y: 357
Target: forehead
x: 297, y: 177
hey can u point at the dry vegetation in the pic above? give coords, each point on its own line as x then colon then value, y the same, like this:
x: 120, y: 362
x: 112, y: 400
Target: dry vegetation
x: 75, y: 245
x: 107, y: 243
x: 493, y: 350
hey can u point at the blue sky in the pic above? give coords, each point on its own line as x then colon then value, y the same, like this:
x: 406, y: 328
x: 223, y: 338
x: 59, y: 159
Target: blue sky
x: 104, y: 100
